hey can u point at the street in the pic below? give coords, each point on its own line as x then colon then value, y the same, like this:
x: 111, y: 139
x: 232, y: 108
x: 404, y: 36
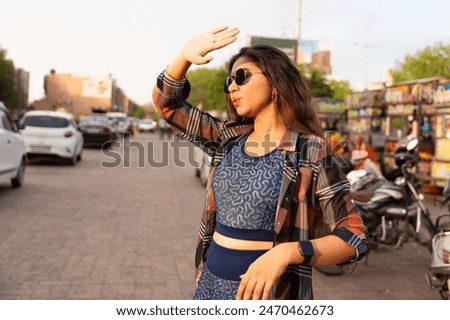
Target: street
x: 122, y: 224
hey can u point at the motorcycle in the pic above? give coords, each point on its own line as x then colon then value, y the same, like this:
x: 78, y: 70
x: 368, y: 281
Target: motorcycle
x: 438, y: 275
x: 393, y: 212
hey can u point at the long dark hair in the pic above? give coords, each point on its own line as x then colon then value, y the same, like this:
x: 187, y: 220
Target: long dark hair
x: 294, y: 101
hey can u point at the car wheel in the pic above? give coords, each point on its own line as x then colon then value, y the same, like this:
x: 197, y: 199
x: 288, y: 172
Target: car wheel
x: 80, y: 156
x: 17, y: 181
x: 73, y: 160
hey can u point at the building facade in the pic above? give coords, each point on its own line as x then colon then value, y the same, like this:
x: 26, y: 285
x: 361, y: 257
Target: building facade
x: 21, y: 84
x: 82, y: 95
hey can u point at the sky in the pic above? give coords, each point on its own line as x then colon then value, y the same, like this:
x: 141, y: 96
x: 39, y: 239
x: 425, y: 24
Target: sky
x: 134, y: 40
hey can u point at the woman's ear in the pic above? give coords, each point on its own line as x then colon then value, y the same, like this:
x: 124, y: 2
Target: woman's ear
x: 274, y: 95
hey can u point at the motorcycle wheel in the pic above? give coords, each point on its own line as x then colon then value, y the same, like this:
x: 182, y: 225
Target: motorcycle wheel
x: 426, y: 232
x: 444, y: 290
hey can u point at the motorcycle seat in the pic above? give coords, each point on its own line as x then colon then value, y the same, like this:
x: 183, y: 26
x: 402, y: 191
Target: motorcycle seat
x: 393, y: 191
x: 361, y: 196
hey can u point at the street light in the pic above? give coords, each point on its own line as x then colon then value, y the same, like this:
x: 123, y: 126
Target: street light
x: 367, y: 47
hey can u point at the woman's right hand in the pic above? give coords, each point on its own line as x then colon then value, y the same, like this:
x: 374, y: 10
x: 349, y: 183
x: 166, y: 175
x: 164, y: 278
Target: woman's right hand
x: 195, y: 50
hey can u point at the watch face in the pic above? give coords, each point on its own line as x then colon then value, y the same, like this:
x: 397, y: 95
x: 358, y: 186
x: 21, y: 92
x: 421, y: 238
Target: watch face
x: 306, y: 248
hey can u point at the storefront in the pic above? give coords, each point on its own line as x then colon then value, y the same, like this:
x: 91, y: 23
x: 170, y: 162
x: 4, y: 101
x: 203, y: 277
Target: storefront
x: 365, y: 116
x: 412, y: 113
x: 331, y: 113
x: 440, y: 167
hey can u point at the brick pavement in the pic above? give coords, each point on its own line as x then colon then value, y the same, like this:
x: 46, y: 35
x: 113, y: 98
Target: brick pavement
x: 87, y: 232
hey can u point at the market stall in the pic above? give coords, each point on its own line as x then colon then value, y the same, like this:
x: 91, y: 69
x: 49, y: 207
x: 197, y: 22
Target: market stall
x: 330, y: 113
x: 365, y: 116
x: 440, y: 167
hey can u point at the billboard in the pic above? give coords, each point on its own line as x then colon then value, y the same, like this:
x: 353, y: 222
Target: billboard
x: 97, y: 88
x: 288, y: 46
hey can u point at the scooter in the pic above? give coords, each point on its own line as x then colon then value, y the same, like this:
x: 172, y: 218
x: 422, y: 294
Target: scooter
x: 438, y: 275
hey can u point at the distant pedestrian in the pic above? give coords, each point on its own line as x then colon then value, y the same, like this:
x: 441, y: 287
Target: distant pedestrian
x: 164, y: 129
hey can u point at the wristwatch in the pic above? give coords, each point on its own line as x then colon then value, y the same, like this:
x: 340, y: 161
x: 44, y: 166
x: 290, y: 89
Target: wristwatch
x: 307, y: 250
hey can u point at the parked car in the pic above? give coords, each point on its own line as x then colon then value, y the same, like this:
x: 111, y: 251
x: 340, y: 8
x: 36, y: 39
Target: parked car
x: 203, y: 165
x: 97, y: 131
x: 120, y: 119
x: 13, y: 156
x: 147, y: 125
x: 52, y: 134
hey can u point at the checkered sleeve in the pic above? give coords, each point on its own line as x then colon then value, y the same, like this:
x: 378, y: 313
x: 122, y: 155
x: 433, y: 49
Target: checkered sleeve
x: 170, y: 100
x: 339, y: 211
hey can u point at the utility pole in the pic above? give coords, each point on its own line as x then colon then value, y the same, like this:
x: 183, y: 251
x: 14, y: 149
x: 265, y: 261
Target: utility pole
x: 366, y: 46
x: 298, y: 20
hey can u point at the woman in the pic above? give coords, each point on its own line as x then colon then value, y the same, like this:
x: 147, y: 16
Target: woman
x: 277, y: 203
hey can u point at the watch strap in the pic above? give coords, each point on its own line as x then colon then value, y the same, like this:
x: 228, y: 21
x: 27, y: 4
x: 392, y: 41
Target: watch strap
x: 307, y: 250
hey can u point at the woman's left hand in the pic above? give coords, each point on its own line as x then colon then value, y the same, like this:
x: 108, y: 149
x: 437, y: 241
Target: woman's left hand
x: 260, y: 277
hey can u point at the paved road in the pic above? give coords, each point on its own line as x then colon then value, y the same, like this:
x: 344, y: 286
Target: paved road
x: 128, y: 232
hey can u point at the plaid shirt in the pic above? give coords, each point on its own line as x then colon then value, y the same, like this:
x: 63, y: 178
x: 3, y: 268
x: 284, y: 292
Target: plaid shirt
x: 314, y: 200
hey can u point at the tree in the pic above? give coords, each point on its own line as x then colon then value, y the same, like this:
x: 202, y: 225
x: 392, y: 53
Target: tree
x: 8, y: 93
x: 207, y: 88
x: 139, y: 112
x: 429, y: 62
x: 318, y: 84
x: 340, y: 89
x: 322, y: 87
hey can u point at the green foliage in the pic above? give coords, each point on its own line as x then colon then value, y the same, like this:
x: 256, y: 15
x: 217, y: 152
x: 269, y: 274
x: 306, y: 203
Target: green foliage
x: 8, y: 94
x: 429, y: 62
x: 340, y: 90
x: 318, y: 84
x: 397, y: 123
x: 207, y: 88
x: 139, y: 112
x: 321, y: 87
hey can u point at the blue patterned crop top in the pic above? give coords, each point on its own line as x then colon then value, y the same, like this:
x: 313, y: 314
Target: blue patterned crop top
x: 246, y: 190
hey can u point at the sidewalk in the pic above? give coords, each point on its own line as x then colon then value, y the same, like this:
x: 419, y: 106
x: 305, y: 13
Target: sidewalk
x: 387, y: 273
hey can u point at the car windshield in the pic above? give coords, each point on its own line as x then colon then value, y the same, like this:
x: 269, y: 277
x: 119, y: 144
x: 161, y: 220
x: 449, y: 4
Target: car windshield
x: 46, y: 122
x: 120, y: 119
x: 94, y: 120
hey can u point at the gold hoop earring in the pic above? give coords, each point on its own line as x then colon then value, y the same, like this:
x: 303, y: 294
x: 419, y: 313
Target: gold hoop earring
x: 274, y: 98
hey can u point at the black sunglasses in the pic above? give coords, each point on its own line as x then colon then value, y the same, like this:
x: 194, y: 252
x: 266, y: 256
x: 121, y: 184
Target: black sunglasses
x: 240, y: 77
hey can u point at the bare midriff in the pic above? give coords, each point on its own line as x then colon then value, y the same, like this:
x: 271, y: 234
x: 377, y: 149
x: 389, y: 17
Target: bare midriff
x: 238, y: 244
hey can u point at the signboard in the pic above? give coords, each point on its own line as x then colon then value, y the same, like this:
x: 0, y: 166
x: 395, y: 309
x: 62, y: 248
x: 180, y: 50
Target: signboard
x: 288, y: 46
x: 442, y: 149
x: 440, y: 170
x: 442, y: 95
x: 399, y: 94
x: 97, y: 88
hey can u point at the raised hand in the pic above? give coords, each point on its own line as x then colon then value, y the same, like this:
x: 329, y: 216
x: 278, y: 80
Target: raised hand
x: 196, y: 49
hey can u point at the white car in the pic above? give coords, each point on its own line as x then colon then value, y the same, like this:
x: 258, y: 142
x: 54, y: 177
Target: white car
x: 52, y: 134
x: 13, y: 157
x: 203, y: 165
x: 147, y: 125
x: 121, y: 121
